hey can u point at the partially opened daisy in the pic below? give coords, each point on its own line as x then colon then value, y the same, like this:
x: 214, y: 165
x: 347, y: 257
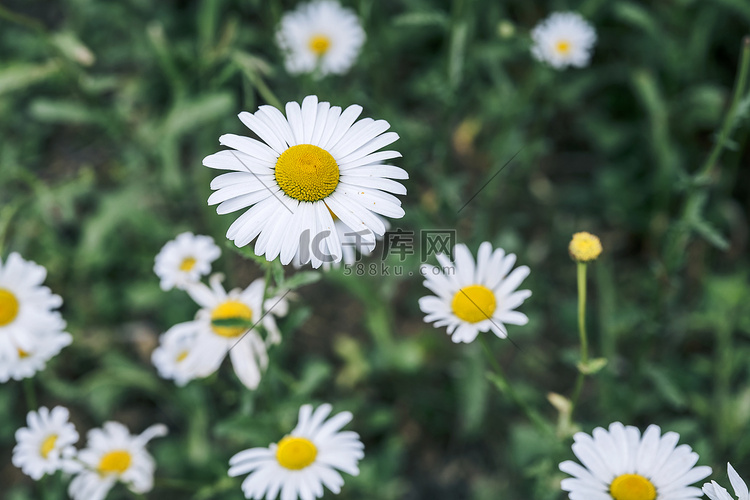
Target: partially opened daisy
x: 472, y: 298
x: 228, y: 324
x: 716, y: 492
x: 174, y: 347
x: 563, y: 39
x: 43, y: 347
x: 303, y: 462
x: 311, y: 164
x: 620, y: 464
x: 113, y: 454
x: 320, y: 35
x: 46, y: 445
x: 185, y: 259
x: 28, y: 319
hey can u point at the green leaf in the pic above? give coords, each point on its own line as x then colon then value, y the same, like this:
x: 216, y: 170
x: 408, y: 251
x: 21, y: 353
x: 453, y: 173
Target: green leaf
x: 666, y: 387
x: 301, y: 279
x: 52, y: 111
x: 457, y: 53
x: 21, y: 76
x: 592, y: 366
x: 637, y: 16
x: 189, y: 115
x: 73, y: 48
x: 710, y: 234
x: 422, y: 19
x: 253, y: 68
x: 247, y: 252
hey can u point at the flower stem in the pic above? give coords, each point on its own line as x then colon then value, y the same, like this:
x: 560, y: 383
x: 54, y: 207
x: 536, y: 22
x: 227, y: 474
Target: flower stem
x: 501, y: 382
x: 730, y: 120
x: 581, y: 334
x: 582, y: 312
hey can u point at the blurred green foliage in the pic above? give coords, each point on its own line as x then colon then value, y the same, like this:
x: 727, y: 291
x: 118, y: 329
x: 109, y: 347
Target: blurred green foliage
x: 107, y: 109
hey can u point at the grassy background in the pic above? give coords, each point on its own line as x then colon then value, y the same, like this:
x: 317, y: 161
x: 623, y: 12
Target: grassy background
x: 107, y: 109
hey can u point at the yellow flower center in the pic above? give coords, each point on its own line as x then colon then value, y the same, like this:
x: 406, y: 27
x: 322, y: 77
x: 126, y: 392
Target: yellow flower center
x: 320, y: 44
x: 563, y: 46
x: 585, y: 247
x: 632, y: 487
x: 474, y: 303
x: 187, y: 264
x: 231, y: 309
x: 8, y: 307
x: 22, y: 354
x: 48, y: 445
x: 307, y: 173
x: 115, y: 462
x: 182, y: 356
x: 296, y: 453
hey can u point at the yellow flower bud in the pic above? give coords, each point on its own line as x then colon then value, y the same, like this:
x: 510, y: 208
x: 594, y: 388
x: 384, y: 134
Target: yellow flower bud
x: 585, y: 247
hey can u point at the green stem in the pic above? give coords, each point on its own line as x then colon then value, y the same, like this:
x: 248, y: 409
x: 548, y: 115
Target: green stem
x: 501, y: 382
x: 30, y: 393
x: 731, y: 116
x: 21, y: 20
x: 581, y: 334
x: 582, y: 312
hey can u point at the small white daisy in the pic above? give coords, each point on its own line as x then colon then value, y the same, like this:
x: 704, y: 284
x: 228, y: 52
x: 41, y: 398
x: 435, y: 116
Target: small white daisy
x: 320, y: 35
x: 304, y: 461
x: 27, y: 318
x: 474, y: 298
x: 174, y: 346
x: 113, y: 454
x: 46, y: 445
x: 563, y: 39
x: 619, y: 464
x: 243, y: 343
x: 314, y: 162
x: 716, y: 492
x: 44, y: 347
x: 184, y: 260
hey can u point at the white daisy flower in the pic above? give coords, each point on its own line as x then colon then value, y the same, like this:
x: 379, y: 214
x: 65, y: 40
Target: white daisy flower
x: 184, y: 260
x: 174, y: 346
x: 45, y: 346
x: 474, y: 298
x: 27, y: 319
x: 619, y: 464
x: 304, y: 461
x: 563, y: 39
x: 314, y: 162
x: 320, y: 35
x: 243, y: 343
x: 716, y: 492
x: 113, y: 454
x: 46, y: 445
